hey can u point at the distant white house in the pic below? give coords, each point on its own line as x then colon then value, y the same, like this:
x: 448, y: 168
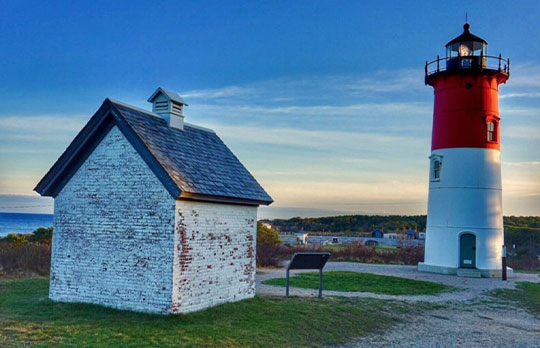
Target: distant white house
x: 301, y: 237
x: 151, y: 214
x: 422, y: 235
x: 391, y: 235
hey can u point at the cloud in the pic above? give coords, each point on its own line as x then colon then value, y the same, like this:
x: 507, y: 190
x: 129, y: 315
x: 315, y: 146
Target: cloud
x: 525, y: 75
x: 519, y: 95
x: 343, y: 143
x: 46, y: 123
x: 311, y: 138
x: 522, y: 164
x: 318, y: 87
x: 225, y: 92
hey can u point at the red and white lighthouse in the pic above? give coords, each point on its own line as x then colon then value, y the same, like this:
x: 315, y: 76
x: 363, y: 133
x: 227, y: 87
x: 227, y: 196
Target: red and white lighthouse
x: 465, y: 220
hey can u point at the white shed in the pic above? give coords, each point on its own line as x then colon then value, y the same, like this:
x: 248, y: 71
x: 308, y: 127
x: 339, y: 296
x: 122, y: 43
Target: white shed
x: 151, y: 214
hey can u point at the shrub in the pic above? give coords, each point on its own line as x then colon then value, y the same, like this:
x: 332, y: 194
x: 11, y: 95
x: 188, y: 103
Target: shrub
x: 25, y: 259
x: 26, y: 254
x: 16, y: 239
x: 524, y: 263
x: 42, y: 235
x: 355, y: 252
x: 268, y: 245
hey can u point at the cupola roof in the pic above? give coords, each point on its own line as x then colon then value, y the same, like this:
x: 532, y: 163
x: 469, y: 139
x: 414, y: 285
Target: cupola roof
x: 466, y: 36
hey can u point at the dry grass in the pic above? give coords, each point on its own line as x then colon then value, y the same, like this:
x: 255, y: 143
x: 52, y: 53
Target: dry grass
x: 270, y: 256
x: 25, y: 259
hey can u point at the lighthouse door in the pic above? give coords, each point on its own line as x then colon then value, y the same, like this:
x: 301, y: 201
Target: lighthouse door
x: 467, y: 250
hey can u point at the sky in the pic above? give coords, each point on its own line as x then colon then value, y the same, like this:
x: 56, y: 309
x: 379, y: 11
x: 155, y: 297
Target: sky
x: 323, y: 101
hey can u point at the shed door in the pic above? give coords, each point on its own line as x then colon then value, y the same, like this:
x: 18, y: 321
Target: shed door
x: 467, y: 250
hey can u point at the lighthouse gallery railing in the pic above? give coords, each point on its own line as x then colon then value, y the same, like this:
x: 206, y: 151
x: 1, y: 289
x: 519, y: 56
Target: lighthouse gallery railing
x: 465, y: 63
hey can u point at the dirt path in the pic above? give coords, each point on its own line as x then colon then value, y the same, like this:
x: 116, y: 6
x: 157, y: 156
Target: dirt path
x: 470, y: 324
x: 469, y: 318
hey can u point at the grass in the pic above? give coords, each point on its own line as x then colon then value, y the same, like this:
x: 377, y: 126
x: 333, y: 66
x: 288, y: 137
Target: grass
x: 385, y: 247
x: 28, y: 317
x: 362, y: 282
x: 530, y: 271
x: 526, y: 294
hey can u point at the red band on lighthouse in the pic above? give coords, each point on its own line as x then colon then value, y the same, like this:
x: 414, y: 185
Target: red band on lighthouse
x: 466, y: 111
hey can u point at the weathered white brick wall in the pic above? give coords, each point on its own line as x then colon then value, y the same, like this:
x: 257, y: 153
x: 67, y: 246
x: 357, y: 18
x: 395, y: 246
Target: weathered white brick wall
x: 113, y: 238
x: 214, y: 254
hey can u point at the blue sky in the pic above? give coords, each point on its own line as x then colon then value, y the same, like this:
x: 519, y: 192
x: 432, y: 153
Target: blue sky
x: 323, y: 101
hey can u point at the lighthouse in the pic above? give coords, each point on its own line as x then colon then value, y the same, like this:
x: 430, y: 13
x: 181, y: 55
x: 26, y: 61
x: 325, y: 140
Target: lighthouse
x: 465, y: 220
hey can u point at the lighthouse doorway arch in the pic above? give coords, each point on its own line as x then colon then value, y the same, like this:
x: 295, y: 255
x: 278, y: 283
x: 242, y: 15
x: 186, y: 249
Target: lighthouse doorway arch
x: 467, y: 250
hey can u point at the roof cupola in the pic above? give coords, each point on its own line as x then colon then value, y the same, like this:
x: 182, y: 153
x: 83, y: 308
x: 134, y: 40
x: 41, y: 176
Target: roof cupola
x: 170, y: 106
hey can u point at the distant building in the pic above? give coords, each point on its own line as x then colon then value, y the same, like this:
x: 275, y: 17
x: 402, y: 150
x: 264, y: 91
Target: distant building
x: 377, y: 234
x: 151, y: 214
x: 301, y: 237
x: 422, y: 235
x: 391, y: 235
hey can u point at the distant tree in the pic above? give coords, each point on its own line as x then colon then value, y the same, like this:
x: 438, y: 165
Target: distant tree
x: 267, y: 236
x: 268, y: 246
x: 16, y: 239
x: 42, y: 235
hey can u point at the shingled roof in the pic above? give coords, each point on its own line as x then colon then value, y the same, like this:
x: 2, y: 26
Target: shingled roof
x: 192, y: 163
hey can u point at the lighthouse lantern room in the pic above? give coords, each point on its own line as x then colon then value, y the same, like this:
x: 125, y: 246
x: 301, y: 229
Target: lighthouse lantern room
x: 465, y: 220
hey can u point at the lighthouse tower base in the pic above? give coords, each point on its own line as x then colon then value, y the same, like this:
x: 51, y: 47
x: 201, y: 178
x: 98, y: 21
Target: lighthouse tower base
x: 484, y: 273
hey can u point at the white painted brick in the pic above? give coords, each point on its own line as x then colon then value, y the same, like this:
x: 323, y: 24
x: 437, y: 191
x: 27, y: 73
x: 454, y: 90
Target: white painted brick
x: 114, y: 232
x: 121, y: 240
x: 214, y: 259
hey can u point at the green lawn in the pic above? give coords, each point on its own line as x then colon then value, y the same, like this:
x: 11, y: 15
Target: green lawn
x: 535, y: 271
x: 526, y: 294
x: 28, y: 317
x: 362, y: 282
x: 385, y: 247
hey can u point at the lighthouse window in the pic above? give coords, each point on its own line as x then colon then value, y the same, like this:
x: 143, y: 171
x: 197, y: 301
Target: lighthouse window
x: 491, y: 131
x: 437, y: 165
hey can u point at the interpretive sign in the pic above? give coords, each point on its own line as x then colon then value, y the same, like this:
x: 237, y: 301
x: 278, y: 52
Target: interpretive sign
x: 308, y: 260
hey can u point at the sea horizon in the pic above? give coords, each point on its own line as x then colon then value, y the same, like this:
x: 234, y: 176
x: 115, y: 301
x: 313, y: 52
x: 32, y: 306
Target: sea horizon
x: 23, y: 222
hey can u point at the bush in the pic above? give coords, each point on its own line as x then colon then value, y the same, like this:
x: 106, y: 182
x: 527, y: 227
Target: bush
x: 26, y: 254
x: 16, y: 239
x: 356, y: 252
x: 25, y: 259
x: 268, y: 245
x: 528, y: 263
x: 42, y: 235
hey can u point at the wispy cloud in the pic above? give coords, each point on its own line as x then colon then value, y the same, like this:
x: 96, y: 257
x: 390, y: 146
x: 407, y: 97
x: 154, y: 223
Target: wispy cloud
x: 318, y: 87
x: 354, y: 143
x: 45, y: 123
x: 525, y: 75
x: 520, y: 95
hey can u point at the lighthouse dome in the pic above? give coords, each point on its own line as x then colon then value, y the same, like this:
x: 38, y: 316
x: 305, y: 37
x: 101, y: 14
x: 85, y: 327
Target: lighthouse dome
x: 466, y: 44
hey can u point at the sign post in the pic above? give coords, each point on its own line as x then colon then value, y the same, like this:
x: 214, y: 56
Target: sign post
x: 504, y: 263
x: 308, y: 260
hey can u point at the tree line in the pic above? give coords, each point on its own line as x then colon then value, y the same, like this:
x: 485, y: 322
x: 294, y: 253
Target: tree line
x: 367, y: 223
x: 350, y: 223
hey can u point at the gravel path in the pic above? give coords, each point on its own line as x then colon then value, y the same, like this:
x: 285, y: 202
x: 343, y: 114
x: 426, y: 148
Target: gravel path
x: 461, y: 325
x: 470, y: 288
x: 469, y: 317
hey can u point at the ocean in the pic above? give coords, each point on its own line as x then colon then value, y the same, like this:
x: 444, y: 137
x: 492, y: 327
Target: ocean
x: 23, y: 223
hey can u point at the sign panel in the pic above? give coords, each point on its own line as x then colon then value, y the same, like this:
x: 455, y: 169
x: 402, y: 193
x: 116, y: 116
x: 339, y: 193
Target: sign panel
x: 308, y: 260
